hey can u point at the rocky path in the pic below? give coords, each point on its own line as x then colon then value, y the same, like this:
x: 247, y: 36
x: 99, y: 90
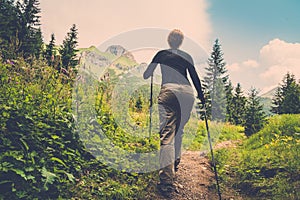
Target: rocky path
x: 196, y: 180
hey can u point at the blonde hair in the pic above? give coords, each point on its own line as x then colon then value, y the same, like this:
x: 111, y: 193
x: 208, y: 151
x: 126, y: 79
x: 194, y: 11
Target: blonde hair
x: 175, y: 38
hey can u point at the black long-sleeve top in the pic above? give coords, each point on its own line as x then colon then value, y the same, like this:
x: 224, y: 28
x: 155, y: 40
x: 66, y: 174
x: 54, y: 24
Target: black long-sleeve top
x: 175, y: 64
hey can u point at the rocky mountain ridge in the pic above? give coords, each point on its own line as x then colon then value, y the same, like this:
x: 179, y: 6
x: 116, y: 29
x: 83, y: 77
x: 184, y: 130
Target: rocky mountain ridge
x: 118, y: 50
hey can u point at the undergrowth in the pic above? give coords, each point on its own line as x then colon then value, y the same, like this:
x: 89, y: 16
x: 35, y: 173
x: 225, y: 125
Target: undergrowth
x: 43, y: 155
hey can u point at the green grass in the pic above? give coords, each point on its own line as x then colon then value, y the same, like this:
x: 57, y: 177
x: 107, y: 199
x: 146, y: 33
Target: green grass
x: 219, y: 132
x: 267, y: 164
x: 100, y: 182
x: 125, y: 62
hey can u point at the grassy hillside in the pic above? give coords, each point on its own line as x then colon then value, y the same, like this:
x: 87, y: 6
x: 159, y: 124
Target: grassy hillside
x: 267, y: 165
x: 107, y: 55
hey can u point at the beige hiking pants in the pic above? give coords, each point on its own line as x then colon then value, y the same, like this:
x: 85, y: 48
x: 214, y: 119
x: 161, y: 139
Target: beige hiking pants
x: 175, y: 104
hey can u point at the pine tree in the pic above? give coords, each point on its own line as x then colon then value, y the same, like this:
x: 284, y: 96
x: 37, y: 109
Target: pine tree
x: 214, y: 84
x: 38, y: 43
x: 9, y: 31
x: 68, y: 49
x: 229, y: 101
x: 30, y: 33
x: 254, y: 116
x: 287, y: 97
x: 20, y: 33
x: 50, y: 51
x: 218, y: 103
x: 239, y: 103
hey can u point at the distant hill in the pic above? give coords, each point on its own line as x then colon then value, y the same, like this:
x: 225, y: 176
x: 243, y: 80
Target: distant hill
x: 270, y: 93
x: 266, y: 100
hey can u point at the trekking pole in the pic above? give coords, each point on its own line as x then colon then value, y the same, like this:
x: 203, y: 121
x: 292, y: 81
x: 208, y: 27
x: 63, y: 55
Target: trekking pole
x: 150, y: 106
x: 211, y: 151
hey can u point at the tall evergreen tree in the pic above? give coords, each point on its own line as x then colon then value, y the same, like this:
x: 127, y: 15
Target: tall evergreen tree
x: 50, y: 51
x: 68, y: 49
x: 218, y: 103
x: 239, y: 102
x: 229, y: 99
x: 9, y: 31
x: 287, y: 97
x: 20, y: 34
x: 30, y: 33
x: 38, y: 43
x: 254, y: 116
x: 214, y: 84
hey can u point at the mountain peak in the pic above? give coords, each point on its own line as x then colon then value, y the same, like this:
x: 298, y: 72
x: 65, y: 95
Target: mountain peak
x: 117, y: 50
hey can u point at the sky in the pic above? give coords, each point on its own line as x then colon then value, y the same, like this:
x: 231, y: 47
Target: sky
x: 260, y: 38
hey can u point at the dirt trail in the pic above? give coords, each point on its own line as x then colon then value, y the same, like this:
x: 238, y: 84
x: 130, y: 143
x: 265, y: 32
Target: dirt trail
x: 196, y: 180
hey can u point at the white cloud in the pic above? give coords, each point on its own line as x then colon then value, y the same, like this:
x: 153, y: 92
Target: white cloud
x: 238, y: 67
x: 275, y: 59
x: 251, y: 63
x: 233, y: 67
x: 280, y: 52
x: 280, y: 57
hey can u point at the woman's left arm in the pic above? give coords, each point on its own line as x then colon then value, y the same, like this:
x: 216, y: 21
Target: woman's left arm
x: 151, y: 67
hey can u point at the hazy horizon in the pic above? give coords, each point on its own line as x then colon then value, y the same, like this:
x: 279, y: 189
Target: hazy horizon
x: 259, y: 39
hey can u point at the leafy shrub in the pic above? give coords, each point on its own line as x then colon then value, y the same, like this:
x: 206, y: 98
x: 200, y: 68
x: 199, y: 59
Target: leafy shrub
x: 40, y: 152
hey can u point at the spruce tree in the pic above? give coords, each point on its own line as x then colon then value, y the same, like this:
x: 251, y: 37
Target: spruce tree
x: 218, y: 103
x: 215, y: 83
x: 50, y: 51
x: 229, y: 101
x: 254, y: 116
x: 68, y: 49
x: 9, y: 31
x: 287, y: 97
x: 38, y: 43
x: 239, y: 103
x: 20, y: 33
x: 30, y: 33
